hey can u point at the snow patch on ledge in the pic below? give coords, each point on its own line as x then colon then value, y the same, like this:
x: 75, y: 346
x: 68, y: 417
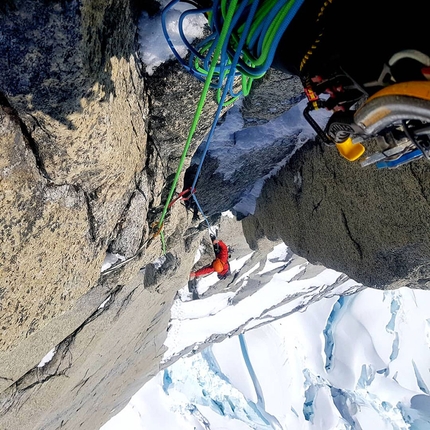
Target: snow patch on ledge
x: 48, y: 357
x: 154, y: 49
x: 110, y: 260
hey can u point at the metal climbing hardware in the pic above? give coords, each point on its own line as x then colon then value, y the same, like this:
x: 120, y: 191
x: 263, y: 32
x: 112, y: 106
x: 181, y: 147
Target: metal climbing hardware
x: 390, y: 117
x: 350, y: 150
x: 181, y: 196
x: 395, y: 118
x: 324, y: 137
x: 311, y: 95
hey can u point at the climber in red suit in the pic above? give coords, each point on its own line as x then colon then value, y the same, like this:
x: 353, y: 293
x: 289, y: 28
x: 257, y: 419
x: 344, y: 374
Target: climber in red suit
x: 220, y: 265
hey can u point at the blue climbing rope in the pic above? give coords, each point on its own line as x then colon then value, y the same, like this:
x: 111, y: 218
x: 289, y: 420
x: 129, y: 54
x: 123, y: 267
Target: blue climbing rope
x: 271, y: 19
x: 254, y: 31
x: 226, y: 91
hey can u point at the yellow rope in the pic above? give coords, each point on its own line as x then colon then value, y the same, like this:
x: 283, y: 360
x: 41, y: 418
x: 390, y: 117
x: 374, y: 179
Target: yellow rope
x: 318, y: 39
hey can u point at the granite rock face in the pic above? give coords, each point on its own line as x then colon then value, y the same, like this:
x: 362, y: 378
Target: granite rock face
x: 371, y: 224
x: 90, y: 145
x: 74, y: 112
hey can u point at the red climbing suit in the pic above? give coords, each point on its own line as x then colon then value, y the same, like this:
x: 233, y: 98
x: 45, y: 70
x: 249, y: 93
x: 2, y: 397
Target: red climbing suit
x: 222, y: 255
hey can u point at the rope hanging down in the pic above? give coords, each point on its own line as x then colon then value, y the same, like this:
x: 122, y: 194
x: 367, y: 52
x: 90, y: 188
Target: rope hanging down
x: 243, y: 41
x: 216, y: 55
x: 245, y: 35
x: 229, y: 84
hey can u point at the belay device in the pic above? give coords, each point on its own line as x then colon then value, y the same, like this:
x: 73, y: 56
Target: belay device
x: 394, y: 121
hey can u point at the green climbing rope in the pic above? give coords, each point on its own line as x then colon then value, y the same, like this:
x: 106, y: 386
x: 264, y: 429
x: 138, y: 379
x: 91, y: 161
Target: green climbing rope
x: 200, y: 105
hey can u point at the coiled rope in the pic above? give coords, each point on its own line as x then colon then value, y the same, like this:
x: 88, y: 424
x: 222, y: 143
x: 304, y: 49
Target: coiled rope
x: 269, y: 22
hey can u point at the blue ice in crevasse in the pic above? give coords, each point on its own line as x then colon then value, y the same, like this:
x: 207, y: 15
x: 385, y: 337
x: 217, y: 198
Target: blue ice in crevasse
x: 328, y: 332
x: 213, y: 365
x: 366, y: 377
x: 167, y: 381
x: 312, y: 385
x: 342, y: 401
x: 386, y: 406
x: 227, y: 404
x: 345, y: 402
x: 394, y: 307
x: 257, y: 387
x: 420, y: 381
x: 348, y: 403
x: 421, y: 403
x: 390, y: 327
x: 417, y: 415
x: 270, y: 419
x: 308, y: 405
x: 200, y: 417
x: 395, y: 347
x: 218, y: 404
x: 204, y: 384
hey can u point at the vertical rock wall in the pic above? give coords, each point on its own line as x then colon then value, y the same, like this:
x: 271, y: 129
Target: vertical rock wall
x: 73, y: 119
x: 89, y: 148
x: 371, y: 224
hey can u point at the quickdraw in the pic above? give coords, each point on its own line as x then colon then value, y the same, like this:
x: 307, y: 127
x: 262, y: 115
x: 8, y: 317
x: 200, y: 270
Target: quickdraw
x: 181, y: 195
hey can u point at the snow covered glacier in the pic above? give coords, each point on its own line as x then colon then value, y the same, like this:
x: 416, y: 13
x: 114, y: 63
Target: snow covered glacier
x: 316, y: 351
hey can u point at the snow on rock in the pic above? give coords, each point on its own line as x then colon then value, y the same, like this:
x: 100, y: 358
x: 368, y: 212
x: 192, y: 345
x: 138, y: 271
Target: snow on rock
x: 241, y: 159
x: 154, y: 49
x: 110, y: 260
x: 48, y: 357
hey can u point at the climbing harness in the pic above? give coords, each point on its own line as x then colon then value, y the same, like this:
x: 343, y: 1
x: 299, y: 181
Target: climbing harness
x: 394, y: 119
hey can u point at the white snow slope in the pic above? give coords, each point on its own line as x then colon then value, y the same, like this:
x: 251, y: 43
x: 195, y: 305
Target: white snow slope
x: 344, y: 358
